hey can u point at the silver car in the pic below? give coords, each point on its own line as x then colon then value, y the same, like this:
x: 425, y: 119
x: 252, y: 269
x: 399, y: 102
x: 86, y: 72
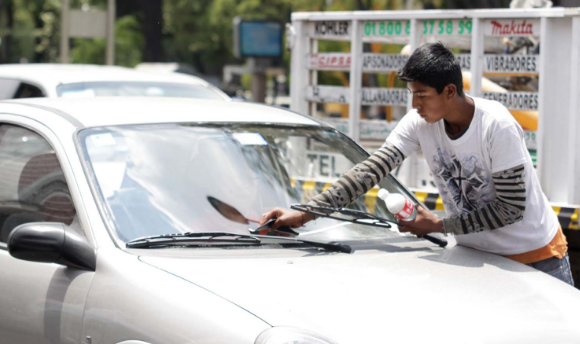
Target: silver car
x: 133, y: 221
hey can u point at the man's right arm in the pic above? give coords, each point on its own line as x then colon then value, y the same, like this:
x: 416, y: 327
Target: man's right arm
x: 361, y: 178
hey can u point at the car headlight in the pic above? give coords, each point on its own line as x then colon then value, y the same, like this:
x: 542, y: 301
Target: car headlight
x: 290, y: 335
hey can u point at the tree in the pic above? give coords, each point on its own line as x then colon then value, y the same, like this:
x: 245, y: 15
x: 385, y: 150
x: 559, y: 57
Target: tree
x: 6, y: 22
x: 200, y: 32
x: 153, y: 30
x: 43, y: 34
x: 197, y: 32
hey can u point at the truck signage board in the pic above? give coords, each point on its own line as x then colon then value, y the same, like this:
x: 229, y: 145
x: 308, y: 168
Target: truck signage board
x: 369, y: 129
x: 384, y: 96
x: 384, y: 62
x: 370, y: 96
x: 464, y: 61
x: 512, y: 64
x: 380, y: 29
x: 328, y: 94
x: 444, y: 27
x: 378, y: 63
x: 511, y: 27
x: 331, y: 30
x: 515, y: 100
x: 328, y: 61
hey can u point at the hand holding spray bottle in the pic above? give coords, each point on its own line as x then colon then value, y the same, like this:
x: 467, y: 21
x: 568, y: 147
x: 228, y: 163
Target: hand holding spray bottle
x: 405, y: 210
x: 398, y: 205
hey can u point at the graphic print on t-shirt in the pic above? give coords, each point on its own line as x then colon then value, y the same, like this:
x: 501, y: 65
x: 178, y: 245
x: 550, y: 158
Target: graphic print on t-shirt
x: 462, y: 181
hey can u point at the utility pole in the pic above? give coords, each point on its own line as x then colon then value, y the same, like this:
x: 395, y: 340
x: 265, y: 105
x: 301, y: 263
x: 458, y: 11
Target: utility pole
x: 64, y: 31
x: 258, y: 67
x: 111, y: 12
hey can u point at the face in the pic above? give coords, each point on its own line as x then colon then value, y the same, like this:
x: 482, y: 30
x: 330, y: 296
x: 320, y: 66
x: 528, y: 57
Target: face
x: 430, y: 105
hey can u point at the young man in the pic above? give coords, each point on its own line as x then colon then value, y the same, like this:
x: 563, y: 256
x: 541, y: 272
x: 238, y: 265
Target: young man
x: 477, y: 154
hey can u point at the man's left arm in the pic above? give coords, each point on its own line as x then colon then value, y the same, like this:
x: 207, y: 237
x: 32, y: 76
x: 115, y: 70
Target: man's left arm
x: 508, y: 207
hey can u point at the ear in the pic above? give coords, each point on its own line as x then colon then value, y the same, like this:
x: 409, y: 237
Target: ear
x: 450, y: 91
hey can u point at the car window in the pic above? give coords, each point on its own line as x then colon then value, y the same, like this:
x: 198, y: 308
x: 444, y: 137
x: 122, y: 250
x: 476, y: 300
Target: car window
x: 33, y: 187
x: 28, y: 91
x: 136, y: 89
x: 8, y: 88
x: 158, y: 179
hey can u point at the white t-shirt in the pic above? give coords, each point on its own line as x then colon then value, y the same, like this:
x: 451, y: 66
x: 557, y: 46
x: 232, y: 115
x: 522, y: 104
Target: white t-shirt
x: 463, y: 168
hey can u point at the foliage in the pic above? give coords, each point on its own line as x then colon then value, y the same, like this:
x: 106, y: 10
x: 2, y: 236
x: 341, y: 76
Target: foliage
x: 197, y: 32
x: 200, y: 32
x: 35, y: 34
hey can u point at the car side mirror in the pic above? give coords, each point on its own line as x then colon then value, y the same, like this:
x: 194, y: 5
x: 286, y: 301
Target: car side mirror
x: 50, y: 242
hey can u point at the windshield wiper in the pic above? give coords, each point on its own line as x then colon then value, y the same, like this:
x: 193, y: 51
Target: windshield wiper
x: 234, y: 215
x: 189, y: 237
x: 216, y: 237
x: 329, y: 246
x: 359, y: 217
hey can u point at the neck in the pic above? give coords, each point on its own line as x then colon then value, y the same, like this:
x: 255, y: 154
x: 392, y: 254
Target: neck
x: 460, y: 116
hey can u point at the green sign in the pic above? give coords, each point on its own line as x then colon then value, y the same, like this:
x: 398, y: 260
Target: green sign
x: 429, y: 27
x: 388, y: 28
x: 447, y: 27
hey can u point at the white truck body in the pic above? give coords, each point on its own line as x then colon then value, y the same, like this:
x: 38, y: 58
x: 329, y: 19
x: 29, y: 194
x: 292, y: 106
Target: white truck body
x: 556, y: 67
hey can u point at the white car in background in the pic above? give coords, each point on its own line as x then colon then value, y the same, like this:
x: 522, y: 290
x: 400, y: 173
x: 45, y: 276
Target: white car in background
x: 83, y: 81
x: 125, y: 229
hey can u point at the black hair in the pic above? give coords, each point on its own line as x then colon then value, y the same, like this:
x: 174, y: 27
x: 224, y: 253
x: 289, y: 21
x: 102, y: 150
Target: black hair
x: 434, y: 65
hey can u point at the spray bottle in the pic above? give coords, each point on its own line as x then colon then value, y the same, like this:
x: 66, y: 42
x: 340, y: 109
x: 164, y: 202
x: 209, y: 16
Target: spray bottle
x: 398, y: 205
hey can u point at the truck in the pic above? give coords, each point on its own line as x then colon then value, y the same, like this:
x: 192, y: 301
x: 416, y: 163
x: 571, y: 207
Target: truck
x: 527, y: 59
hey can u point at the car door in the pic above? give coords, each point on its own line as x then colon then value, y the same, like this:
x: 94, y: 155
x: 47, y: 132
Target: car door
x: 8, y: 88
x: 39, y: 302
x: 14, y: 89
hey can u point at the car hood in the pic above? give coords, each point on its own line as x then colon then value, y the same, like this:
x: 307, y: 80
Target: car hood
x: 397, y: 293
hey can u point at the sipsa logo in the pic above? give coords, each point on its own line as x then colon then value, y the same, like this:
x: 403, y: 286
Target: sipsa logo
x: 515, y: 28
x: 330, y: 61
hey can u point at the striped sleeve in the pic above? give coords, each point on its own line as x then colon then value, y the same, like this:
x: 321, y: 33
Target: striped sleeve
x: 360, y: 178
x: 508, y: 207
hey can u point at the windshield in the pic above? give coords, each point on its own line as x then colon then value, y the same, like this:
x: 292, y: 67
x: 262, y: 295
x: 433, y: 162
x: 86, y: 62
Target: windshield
x: 136, y: 89
x: 159, y: 179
